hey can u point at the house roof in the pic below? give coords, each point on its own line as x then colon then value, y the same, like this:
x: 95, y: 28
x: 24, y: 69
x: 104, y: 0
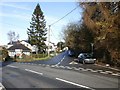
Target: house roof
x: 14, y: 42
x: 19, y: 46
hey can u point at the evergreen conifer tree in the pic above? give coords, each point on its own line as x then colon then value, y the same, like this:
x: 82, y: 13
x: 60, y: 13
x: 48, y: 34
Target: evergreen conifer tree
x: 37, y: 31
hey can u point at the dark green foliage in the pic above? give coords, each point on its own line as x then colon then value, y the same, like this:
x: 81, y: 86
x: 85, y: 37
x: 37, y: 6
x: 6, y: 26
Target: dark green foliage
x: 103, y: 19
x: 4, y: 52
x: 78, y: 38
x: 37, y: 31
x: 5, y: 55
x: 60, y: 45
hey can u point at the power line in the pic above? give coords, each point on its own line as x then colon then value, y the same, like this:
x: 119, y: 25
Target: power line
x: 64, y: 16
x: 55, y: 23
x: 53, y: 35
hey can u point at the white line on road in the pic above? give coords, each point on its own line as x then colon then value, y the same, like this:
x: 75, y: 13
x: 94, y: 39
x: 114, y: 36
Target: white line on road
x: 103, y: 72
x: 74, y: 83
x: 33, y: 71
x: 52, y: 65
x: 61, y: 66
x: 89, y: 69
x: 47, y: 65
x: 2, y: 87
x: 12, y: 66
x: 116, y: 74
x: 69, y: 68
x: 61, y: 60
x: 109, y: 72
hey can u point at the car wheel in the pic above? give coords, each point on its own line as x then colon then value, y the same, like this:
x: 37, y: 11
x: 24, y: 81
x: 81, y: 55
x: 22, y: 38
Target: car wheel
x: 94, y: 62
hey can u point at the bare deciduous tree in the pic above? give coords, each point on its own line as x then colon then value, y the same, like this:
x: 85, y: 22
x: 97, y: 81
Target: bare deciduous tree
x: 12, y: 36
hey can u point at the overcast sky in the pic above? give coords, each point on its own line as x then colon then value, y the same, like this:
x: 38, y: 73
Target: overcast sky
x: 16, y: 16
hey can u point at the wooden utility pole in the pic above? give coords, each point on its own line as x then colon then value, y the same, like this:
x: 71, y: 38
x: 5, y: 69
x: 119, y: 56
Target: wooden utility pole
x: 49, y: 41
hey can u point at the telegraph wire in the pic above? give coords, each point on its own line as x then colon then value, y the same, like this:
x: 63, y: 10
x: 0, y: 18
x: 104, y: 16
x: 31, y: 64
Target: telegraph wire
x: 55, y: 23
x: 64, y: 16
x: 53, y: 35
x: 60, y: 20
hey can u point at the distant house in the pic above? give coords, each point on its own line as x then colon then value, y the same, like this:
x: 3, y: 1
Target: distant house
x: 33, y: 48
x: 18, y: 49
x: 52, y: 46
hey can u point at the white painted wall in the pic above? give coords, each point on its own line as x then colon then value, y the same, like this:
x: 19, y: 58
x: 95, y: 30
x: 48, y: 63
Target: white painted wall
x: 18, y: 52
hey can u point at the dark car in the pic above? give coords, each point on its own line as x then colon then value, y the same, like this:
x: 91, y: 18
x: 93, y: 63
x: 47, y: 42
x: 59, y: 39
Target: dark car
x: 71, y: 53
x: 86, y: 58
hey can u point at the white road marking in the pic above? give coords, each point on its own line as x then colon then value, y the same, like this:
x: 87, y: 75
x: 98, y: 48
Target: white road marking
x: 61, y: 66
x: 74, y: 68
x: 94, y: 71
x: 84, y: 70
x: 12, y: 66
x: 103, y: 72
x: 89, y: 69
x: 69, y: 68
x: 109, y: 72
x: 81, y: 68
x: 116, y: 74
x: 53, y: 65
x: 66, y: 66
x: 77, y: 69
x: 33, y: 71
x: 61, y: 60
x: 74, y: 83
x: 73, y: 62
x: 2, y: 87
x: 47, y: 65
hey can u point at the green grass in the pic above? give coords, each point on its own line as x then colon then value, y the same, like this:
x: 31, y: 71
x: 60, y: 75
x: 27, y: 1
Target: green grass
x: 32, y: 59
x: 43, y: 58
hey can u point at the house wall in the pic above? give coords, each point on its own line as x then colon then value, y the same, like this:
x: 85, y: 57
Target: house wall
x: 18, y: 52
x: 27, y: 53
x: 33, y: 48
x: 26, y: 44
x: 52, y: 47
x: 11, y: 53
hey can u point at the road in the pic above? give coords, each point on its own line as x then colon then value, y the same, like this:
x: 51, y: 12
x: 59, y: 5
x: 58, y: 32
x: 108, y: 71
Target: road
x: 16, y: 75
x: 57, y: 73
x: 64, y: 60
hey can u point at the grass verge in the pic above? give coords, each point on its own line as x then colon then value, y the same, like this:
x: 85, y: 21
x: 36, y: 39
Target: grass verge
x: 32, y: 59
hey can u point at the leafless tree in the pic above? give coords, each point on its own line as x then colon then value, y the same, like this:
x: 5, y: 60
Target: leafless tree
x: 12, y: 36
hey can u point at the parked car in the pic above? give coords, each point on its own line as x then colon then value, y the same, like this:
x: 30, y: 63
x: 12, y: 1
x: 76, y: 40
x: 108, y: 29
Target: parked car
x: 86, y: 58
x: 71, y: 53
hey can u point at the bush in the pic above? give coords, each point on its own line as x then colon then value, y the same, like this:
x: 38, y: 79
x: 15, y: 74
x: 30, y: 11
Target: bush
x: 7, y: 58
